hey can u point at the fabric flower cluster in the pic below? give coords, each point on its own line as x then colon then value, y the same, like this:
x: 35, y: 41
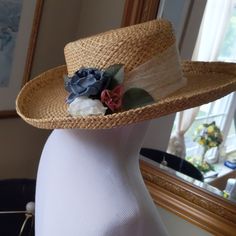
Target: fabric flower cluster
x: 94, y: 92
x: 208, y: 135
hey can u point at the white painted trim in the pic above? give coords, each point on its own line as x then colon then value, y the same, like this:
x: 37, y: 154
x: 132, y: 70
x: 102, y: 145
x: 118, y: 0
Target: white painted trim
x: 229, y: 118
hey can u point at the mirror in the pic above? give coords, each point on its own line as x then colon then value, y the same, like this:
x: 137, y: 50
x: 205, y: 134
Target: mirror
x: 196, y: 201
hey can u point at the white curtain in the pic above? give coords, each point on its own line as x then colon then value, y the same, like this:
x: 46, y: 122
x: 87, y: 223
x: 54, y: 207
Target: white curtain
x: 213, y: 28
x: 211, y: 34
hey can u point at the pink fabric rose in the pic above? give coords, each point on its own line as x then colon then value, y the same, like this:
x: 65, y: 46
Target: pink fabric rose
x: 113, y: 98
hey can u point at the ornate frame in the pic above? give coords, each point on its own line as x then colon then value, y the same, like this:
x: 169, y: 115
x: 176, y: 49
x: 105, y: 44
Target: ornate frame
x: 194, y: 204
x: 137, y: 11
x: 30, y: 53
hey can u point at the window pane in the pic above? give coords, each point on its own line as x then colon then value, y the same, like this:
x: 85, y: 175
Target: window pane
x: 228, y: 48
x: 230, y: 143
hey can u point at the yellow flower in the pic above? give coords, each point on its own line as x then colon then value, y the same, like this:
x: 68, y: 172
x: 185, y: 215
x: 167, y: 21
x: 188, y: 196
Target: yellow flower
x: 200, y: 127
x: 202, y: 141
x: 210, y: 129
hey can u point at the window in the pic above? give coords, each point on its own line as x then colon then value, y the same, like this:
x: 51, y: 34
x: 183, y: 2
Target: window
x: 220, y: 112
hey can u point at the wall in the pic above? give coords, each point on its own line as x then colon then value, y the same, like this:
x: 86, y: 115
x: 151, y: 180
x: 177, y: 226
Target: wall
x: 58, y: 26
x: 21, y: 146
x: 176, y: 226
x: 99, y: 16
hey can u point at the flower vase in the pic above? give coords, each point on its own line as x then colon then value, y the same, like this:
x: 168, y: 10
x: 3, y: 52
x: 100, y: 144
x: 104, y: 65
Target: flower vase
x: 89, y: 183
x: 204, y: 151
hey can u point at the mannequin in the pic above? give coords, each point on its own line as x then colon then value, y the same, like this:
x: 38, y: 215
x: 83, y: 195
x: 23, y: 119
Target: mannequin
x: 89, y: 184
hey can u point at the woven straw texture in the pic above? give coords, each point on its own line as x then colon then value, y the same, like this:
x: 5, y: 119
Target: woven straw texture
x: 131, y: 46
x: 41, y: 102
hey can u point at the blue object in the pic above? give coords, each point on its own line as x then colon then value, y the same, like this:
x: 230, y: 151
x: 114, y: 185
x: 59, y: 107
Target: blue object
x: 87, y: 82
x: 230, y: 164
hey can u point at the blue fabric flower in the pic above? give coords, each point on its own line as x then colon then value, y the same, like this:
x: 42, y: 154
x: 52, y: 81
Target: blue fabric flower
x: 89, y: 82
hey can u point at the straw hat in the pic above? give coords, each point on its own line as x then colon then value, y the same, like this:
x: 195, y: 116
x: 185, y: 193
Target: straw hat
x: 151, y: 62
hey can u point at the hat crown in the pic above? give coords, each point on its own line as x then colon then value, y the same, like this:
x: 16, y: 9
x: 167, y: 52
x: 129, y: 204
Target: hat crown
x: 131, y: 46
x: 147, y: 51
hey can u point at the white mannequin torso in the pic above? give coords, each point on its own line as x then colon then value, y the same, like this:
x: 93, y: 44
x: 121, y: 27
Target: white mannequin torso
x: 89, y: 184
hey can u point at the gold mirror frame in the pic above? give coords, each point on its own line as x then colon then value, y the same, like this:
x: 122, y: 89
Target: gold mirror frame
x: 194, y: 204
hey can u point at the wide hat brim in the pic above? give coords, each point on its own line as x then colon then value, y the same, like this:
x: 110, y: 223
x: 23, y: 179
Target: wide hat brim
x: 41, y: 102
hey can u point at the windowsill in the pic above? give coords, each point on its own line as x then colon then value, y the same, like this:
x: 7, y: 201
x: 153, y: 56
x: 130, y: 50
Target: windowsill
x: 221, y: 169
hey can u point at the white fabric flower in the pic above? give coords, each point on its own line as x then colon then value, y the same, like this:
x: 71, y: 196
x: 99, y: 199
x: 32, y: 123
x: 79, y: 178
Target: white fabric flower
x: 83, y: 106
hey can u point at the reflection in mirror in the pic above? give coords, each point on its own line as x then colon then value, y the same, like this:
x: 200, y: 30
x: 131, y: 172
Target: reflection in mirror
x: 187, y: 172
x: 207, y: 140
x: 217, y: 173
x: 183, y: 176
x: 205, y: 136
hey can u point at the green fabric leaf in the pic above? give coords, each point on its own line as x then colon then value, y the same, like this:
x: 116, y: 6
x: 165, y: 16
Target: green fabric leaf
x: 136, y: 97
x: 113, y: 83
x: 119, y: 75
x: 113, y: 69
x: 116, y: 72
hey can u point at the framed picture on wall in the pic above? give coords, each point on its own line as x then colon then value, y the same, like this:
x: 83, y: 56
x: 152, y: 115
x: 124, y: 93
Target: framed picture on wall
x: 19, y: 23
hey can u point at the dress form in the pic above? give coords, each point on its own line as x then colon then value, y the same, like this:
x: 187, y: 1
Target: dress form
x: 89, y: 184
